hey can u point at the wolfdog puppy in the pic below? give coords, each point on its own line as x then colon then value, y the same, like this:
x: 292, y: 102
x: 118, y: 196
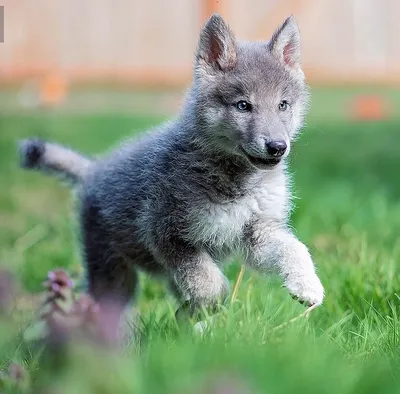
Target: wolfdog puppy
x: 207, y: 184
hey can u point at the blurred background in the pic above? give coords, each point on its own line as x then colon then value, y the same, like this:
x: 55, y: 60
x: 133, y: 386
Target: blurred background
x: 53, y: 47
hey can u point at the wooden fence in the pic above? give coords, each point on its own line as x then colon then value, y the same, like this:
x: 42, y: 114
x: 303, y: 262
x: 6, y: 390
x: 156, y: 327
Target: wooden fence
x: 152, y: 43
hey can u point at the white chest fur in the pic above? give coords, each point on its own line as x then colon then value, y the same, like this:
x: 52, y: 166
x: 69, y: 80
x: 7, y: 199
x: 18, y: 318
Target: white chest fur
x: 221, y: 225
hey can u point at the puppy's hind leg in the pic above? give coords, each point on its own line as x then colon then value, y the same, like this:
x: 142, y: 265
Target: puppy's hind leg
x: 112, y: 278
x: 112, y: 282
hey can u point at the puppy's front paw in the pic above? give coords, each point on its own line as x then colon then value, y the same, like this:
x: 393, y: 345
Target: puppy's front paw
x: 307, y: 289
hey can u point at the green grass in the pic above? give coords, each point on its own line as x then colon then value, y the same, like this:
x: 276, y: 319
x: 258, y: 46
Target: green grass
x: 347, y: 211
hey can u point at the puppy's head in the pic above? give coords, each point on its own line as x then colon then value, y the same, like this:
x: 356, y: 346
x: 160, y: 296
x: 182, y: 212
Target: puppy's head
x: 250, y: 96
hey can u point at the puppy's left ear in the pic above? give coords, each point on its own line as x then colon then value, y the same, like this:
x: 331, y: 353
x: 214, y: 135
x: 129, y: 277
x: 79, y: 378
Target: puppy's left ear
x: 285, y: 44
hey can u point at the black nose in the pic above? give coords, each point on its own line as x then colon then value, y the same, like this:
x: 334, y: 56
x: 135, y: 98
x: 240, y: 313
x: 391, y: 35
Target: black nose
x: 276, y: 148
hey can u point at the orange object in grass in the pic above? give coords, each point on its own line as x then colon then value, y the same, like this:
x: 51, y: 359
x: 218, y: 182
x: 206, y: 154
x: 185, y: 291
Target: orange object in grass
x: 370, y: 107
x: 53, y: 90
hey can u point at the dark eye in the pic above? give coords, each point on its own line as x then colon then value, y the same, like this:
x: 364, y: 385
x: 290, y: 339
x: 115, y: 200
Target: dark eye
x: 283, y: 105
x: 243, y: 106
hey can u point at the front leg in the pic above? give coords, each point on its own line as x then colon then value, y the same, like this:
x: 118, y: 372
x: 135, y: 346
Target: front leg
x: 194, y: 277
x: 281, y: 251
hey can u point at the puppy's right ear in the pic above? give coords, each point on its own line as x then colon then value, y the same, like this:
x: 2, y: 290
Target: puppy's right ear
x: 217, y: 45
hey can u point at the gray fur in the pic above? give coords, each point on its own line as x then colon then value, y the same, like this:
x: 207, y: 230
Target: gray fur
x: 202, y: 186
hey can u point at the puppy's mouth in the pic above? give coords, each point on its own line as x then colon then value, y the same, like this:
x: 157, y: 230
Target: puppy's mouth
x: 261, y: 163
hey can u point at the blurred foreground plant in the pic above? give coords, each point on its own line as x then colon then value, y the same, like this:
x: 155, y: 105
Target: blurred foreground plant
x: 14, y: 379
x: 68, y: 330
x: 64, y: 316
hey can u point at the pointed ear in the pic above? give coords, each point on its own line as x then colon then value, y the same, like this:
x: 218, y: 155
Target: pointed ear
x: 285, y: 44
x: 217, y: 44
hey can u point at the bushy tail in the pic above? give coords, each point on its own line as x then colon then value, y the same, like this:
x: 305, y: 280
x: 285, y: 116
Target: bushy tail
x: 54, y: 158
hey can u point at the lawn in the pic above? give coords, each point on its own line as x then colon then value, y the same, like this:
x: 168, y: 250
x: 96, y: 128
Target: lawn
x: 347, y: 210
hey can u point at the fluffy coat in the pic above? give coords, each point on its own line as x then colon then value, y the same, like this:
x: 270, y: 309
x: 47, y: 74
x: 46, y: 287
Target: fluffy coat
x: 211, y: 182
